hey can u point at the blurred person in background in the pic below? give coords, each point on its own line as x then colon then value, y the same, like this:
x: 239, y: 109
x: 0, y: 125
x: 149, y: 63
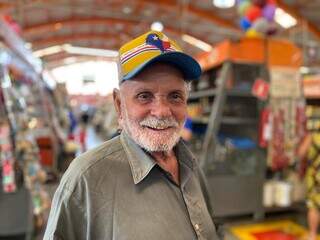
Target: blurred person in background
x: 145, y: 183
x: 72, y: 124
x: 309, y: 149
x: 82, y: 134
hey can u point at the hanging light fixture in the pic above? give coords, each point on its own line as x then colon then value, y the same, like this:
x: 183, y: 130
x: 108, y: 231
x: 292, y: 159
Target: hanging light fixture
x: 157, y: 26
x: 284, y: 18
x: 224, y: 3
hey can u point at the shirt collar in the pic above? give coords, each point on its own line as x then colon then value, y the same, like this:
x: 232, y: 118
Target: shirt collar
x: 141, y: 163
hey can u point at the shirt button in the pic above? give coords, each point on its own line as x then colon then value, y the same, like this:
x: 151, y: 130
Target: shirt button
x: 197, y: 227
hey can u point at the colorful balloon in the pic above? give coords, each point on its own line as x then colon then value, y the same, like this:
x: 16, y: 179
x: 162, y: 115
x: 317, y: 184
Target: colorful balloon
x: 243, y: 7
x: 268, y: 12
x: 253, y: 13
x: 252, y: 33
x: 261, y: 25
x: 257, y: 17
x: 245, y: 23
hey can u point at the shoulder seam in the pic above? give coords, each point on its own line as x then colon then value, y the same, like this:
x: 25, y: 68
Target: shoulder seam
x: 86, y: 169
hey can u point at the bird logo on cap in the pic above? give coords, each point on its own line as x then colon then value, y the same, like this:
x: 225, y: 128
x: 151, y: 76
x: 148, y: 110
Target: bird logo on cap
x: 154, y: 40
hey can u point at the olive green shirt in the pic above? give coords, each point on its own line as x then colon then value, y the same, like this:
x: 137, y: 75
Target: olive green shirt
x: 117, y: 191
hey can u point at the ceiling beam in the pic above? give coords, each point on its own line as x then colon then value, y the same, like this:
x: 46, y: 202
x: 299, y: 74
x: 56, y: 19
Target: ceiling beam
x: 207, y: 15
x: 73, y: 38
x: 190, y: 8
x: 58, y: 40
x: 295, y: 13
x: 58, y: 58
x: 55, y: 26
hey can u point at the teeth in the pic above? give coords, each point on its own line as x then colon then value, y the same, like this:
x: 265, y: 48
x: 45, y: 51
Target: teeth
x: 158, y: 128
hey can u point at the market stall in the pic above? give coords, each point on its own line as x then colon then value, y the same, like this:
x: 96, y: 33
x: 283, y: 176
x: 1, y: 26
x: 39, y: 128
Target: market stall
x: 233, y: 107
x: 24, y: 120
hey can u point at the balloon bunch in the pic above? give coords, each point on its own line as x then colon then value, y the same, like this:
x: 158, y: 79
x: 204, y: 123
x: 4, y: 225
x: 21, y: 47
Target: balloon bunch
x: 257, y: 17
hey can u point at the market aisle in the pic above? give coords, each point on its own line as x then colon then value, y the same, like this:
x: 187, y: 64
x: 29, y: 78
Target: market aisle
x: 93, y: 140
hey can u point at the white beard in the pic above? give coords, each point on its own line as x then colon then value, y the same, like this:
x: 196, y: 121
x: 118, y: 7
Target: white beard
x: 148, y: 139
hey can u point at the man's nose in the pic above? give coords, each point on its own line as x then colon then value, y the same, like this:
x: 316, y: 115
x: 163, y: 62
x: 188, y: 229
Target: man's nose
x: 161, y: 108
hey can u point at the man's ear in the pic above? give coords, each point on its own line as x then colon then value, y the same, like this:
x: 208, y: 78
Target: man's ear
x: 117, y: 101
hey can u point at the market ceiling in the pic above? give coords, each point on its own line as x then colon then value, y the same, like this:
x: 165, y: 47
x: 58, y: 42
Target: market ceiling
x: 110, y: 23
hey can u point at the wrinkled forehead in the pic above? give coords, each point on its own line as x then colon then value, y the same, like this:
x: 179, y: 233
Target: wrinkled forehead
x: 154, y: 85
x: 158, y: 77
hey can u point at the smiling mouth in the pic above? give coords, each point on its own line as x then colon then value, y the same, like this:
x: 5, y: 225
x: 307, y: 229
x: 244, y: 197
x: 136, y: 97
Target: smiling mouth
x: 158, y: 129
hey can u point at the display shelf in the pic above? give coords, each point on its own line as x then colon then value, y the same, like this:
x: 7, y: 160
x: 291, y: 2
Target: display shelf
x: 239, y: 93
x: 212, y: 92
x: 296, y: 206
x: 238, y: 120
x: 228, y: 121
x: 202, y: 93
x: 229, y: 113
x: 237, y: 115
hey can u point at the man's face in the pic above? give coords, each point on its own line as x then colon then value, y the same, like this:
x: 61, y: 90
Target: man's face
x: 152, y: 107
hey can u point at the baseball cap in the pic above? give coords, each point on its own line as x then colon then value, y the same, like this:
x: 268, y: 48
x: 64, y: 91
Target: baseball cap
x: 153, y: 47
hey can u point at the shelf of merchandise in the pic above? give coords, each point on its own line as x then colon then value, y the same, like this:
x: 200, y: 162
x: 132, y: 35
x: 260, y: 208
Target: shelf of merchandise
x: 212, y: 92
x: 238, y: 121
x: 25, y: 93
x: 23, y: 109
x: 228, y: 107
x: 220, y: 175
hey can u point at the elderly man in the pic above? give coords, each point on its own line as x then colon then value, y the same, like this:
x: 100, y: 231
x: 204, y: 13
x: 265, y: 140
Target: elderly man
x: 145, y: 183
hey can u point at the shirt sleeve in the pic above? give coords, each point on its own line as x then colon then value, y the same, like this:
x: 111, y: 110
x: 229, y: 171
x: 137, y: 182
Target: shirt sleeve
x: 67, y: 220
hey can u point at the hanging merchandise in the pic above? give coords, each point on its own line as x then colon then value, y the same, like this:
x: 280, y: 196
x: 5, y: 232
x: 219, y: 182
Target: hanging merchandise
x: 34, y: 175
x: 264, y: 127
x: 24, y: 117
x: 7, y: 159
x: 287, y: 118
x: 285, y: 83
x: 12, y: 23
x: 301, y: 119
x: 260, y: 89
x: 278, y: 156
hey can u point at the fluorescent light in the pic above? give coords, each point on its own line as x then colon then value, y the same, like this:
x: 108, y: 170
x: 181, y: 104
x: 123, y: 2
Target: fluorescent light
x: 70, y: 60
x: 284, y: 19
x: 90, y: 51
x: 127, y: 10
x: 157, y: 26
x: 48, y: 51
x: 196, y: 42
x: 75, y: 50
x: 224, y: 3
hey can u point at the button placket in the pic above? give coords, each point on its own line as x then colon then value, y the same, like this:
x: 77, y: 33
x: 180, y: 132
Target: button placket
x: 194, y: 213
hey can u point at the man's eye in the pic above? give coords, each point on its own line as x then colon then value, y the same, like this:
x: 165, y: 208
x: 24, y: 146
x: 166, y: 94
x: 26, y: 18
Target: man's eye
x: 144, y: 96
x: 176, y: 97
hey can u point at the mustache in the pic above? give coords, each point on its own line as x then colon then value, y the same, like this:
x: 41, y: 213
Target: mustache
x: 159, y: 123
